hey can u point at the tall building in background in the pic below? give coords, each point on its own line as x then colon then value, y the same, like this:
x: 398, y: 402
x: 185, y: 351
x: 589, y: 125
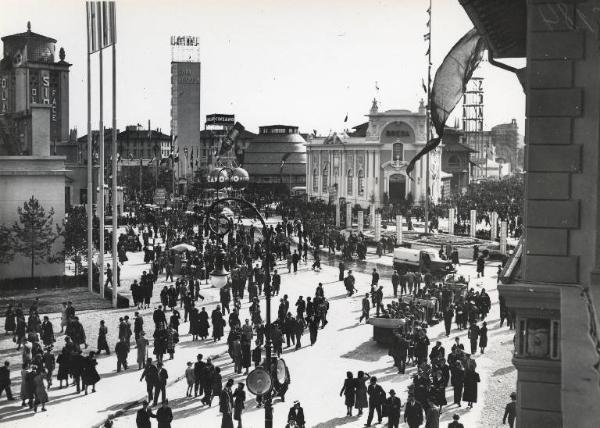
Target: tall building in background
x: 185, y: 95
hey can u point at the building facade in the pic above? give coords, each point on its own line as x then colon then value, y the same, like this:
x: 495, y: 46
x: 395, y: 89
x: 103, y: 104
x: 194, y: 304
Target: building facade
x: 456, y: 161
x: 556, y: 298
x: 508, y: 145
x: 34, y: 117
x: 369, y: 165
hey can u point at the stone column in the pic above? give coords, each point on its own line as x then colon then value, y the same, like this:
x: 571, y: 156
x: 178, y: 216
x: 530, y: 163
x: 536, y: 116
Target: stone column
x: 372, y: 216
x: 337, y: 214
x: 451, y: 220
x: 493, y: 225
x: 361, y: 220
x: 348, y: 216
x: 377, y: 227
x: 503, y: 235
x: 398, y: 229
x: 473, y: 223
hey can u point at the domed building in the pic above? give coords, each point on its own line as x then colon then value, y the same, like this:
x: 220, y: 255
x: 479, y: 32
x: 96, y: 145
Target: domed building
x: 277, y: 155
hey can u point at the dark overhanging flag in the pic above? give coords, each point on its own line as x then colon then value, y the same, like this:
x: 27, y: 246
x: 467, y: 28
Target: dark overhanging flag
x: 450, y: 81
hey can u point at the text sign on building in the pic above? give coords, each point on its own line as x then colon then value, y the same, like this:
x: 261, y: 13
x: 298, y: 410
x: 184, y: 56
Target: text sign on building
x: 184, y: 41
x: 220, y: 119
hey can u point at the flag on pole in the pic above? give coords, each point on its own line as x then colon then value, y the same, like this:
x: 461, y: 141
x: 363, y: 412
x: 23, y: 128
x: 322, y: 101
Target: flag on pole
x: 423, y: 84
x: 428, y: 23
x: 315, y: 132
x: 346, y: 118
x: 426, y: 36
x: 101, y: 25
x: 428, y: 50
x: 376, y: 86
x: 449, y: 84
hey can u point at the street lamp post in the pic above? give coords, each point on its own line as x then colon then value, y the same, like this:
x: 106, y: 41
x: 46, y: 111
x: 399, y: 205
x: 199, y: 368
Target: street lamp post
x: 238, y: 178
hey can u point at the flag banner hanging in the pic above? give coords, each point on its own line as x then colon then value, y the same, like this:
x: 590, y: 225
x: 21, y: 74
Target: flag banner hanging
x: 423, y: 85
x: 449, y: 85
x: 426, y: 36
x: 101, y: 25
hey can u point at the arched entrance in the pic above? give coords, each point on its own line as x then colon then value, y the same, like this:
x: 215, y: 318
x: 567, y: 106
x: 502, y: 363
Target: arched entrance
x: 397, y: 184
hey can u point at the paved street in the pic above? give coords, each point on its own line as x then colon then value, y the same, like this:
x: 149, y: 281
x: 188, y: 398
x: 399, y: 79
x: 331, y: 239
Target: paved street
x: 317, y: 372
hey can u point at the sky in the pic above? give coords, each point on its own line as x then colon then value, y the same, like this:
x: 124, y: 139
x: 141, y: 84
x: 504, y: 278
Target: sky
x: 307, y: 63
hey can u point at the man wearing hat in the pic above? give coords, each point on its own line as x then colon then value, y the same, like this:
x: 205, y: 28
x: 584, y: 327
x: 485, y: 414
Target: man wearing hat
x: 392, y: 409
x: 143, y: 416
x: 413, y: 412
x: 296, y: 415
x: 455, y: 423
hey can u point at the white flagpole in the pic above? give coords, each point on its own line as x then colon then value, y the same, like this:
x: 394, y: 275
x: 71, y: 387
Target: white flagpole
x: 101, y: 178
x: 90, y: 165
x: 115, y: 257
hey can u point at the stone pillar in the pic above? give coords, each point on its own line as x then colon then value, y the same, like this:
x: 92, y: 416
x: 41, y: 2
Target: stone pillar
x: 372, y: 216
x: 473, y: 223
x: 503, y: 235
x: 361, y: 220
x: 451, y: 220
x: 377, y: 227
x: 348, y: 216
x: 337, y: 214
x: 493, y: 225
x: 398, y: 229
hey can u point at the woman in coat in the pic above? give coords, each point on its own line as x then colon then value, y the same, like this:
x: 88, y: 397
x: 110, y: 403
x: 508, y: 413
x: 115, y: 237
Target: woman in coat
x: 24, y: 385
x: 203, y: 324
x: 348, y: 390
x: 39, y: 391
x: 218, y: 324
x: 483, y: 339
x: 89, y: 374
x: 458, y: 379
x: 63, y: 368
x: 360, y: 400
x: 10, y: 324
x: 102, y: 343
x: 239, y: 397
x: 470, y: 391
x: 194, y: 323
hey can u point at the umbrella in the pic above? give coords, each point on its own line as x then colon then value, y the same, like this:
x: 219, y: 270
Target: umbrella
x: 183, y: 247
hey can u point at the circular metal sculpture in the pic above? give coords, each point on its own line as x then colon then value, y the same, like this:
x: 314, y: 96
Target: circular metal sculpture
x: 239, y: 178
x: 259, y: 382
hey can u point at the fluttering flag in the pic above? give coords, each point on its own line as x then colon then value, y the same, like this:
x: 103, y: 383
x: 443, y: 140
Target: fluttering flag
x: 423, y: 85
x: 315, y: 132
x: 426, y: 36
x: 449, y: 85
x: 346, y: 119
x: 428, y: 50
x: 101, y: 25
x: 428, y: 23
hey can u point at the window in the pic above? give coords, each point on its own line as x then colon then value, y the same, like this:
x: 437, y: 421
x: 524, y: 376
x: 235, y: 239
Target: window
x: 325, y: 181
x: 454, y: 161
x: 361, y: 183
x: 315, y: 180
x: 350, y: 181
x: 398, y: 152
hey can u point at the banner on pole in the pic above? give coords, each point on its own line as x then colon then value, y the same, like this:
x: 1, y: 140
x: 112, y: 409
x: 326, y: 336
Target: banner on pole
x: 101, y: 25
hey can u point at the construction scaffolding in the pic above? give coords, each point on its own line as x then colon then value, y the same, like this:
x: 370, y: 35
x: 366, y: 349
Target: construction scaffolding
x: 472, y: 124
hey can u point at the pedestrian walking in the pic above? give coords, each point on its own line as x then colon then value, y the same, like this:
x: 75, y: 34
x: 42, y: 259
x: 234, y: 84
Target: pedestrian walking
x: 348, y: 390
x: 376, y: 400
x: 5, y: 381
x: 391, y: 409
x: 360, y: 400
x: 161, y: 384
x: 164, y: 415
x: 122, y: 351
x: 473, y: 335
x: 413, y: 412
x: 89, y: 374
x: 143, y: 415
x: 142, y: 347
x: 365, y: 307
x: 102, y: 343
x: 39, y: 390
x: 483, y: 338
x: 226, y: 405
x: 150, y: 374
x: 189, y: 377
x: 510, y: 411
x: 470, y: 391
x: 239, y: 397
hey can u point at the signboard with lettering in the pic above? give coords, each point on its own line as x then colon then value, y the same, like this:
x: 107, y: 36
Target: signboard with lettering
x: 184, y: 41
x: 220, y: 119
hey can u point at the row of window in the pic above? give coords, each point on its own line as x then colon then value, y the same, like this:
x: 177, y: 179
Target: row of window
x: 349, y: 182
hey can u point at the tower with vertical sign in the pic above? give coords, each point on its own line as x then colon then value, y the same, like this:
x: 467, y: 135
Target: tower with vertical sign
x: 185, y: 95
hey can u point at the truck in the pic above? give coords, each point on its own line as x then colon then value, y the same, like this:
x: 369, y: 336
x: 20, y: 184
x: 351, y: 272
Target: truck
x: 409, y: 259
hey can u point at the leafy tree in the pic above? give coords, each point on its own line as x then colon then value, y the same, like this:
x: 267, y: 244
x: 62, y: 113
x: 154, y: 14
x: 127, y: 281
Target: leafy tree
x: 6, y: 245
x: 75, y: 234
x: 35, y: 235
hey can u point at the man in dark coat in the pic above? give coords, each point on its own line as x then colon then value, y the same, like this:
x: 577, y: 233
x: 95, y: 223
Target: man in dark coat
x: 296, y: 414
x: 455, y: 423
x: 226, y: 405
x: 399, y: 352
x: 164, y: 415
x: 413, y: 412
x: 159, y: 316
x: 295, y: 260
x: 448, y: 315
x: 395, y: 282
x: 122, y: 351
x: 473, y: 337
x: 392, y: 408
x: 5, y: 381
x: 342, y: 268
x: 366, y: 306
x: 143, y: 416
x: 376, y: 399
x: 150, y: 373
